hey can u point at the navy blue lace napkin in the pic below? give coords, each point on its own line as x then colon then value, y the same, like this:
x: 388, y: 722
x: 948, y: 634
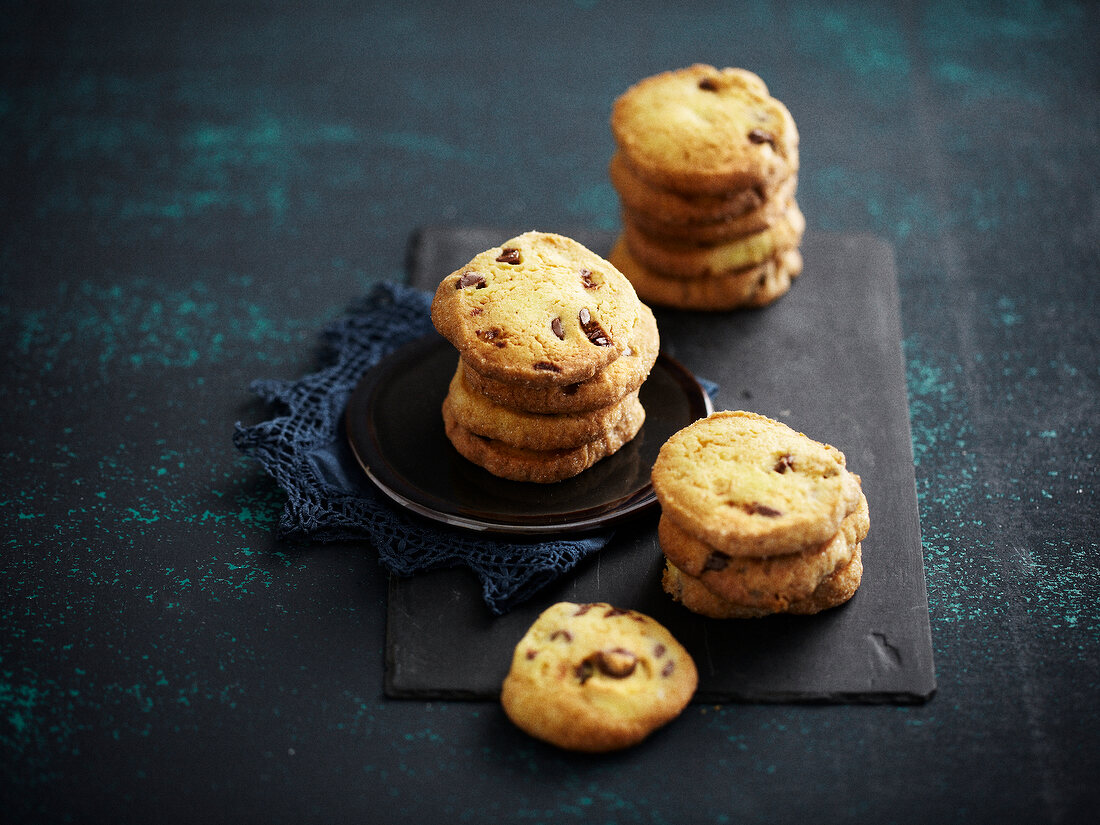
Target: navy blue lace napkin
x: 329, y: 498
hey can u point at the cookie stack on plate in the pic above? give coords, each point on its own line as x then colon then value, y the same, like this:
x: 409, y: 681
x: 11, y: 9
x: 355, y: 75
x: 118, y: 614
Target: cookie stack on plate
x: 757, y: 519
x: 554, y: 345
x: 706, y: 171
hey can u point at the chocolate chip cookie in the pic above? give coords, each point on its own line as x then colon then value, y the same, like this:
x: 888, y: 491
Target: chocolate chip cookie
x: 748, y: 485
x: 705, y: 130
x: 757, y: 518
x: 833, y: 591
x: 624, y: 375
x: 506, y: 460
x: 593, y: 677
x: 539, y: 309
x: 754, y: 286
x: 534, y: 431
x: 554, y: 345
x: 701, y: 219
x: 678, y: 259
x: 771, y: 583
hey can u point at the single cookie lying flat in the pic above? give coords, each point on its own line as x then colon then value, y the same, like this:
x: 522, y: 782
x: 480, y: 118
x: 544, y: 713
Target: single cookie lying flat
x: 592, y: 677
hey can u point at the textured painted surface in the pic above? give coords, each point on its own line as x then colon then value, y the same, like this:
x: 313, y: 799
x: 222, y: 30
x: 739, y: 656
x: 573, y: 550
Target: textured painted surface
x: 190, y: 193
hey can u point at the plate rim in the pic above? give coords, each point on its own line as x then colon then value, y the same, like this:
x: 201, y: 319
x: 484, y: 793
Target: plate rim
x: 642, y: 499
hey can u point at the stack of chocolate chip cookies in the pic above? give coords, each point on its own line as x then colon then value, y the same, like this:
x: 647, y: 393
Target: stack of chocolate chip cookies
x: 757, y: 519
x: 706, y: 172
x: 554, y: 345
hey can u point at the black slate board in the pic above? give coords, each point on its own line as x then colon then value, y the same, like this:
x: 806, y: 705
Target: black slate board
x: 825, y: 359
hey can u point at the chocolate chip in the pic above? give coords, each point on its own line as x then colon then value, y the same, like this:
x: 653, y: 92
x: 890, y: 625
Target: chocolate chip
x: 546, y: 366
x: 561, y: 634
x: 555, y: 325
x: 586, y: 279
x: 570, y: 389
x: 666, y: 671
x: 784, y: 463
x: 758, y: 509
x: 492, y: 336
x: 584, y: 608
x: 476, y: 311
x: 616, y: 663
x: 616, y: 611
x: 761, y: 136
x: 659, y: 650
x: 474, y: 279
x: 708, y: 84
x: 584, y: 670
x: 509, y: 256
x: 531, y: 653
x: 592, y: 330
x: 717, y: 560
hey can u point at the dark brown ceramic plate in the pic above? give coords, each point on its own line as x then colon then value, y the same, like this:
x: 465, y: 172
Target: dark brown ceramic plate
x: 395, y: 429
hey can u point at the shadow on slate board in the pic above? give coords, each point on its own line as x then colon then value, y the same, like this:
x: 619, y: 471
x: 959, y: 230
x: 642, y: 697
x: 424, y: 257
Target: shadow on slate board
x: 825, y: 359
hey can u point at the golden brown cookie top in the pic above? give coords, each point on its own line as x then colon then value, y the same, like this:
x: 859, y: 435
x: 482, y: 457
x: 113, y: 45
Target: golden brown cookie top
x: 595, y: 677
x: 748, y: 485
x: 540, y: 308
x: 707, y: 130
x: 623, y: 376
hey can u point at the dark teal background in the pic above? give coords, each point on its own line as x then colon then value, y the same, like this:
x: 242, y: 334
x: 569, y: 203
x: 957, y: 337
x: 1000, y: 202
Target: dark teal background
x: 191, y: 191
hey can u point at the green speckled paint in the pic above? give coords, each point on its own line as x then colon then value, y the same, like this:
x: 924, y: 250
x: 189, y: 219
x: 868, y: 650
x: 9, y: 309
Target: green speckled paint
x: 858, y: 41
x: 596, y: 206
x: 147, y: 323
x: 889, y: 206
